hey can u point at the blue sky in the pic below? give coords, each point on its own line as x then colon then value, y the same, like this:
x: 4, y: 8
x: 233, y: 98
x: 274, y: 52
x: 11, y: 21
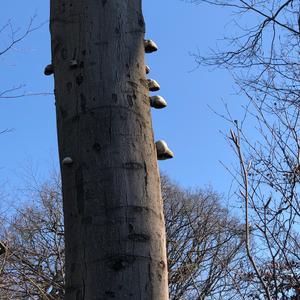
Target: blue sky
x: 190, y: 128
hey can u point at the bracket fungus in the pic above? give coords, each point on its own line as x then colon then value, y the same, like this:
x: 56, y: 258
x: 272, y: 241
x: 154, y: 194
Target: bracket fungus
x: 150, y: 46
x: 147, y: 69
x: 73, y: 63
x: 158, y: 102
x: 48, y: 70
x: 163, y: 151
x: 153, y: 85
x: 67, y: 161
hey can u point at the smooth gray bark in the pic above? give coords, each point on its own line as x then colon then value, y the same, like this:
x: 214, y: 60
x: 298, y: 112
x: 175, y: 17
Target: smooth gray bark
x: 114, y: 224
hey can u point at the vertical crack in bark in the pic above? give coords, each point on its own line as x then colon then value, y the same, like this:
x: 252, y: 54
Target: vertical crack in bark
x: 79, y: 191
x: 110, y: 126
x: 146, y: 180
x: 85, y: 272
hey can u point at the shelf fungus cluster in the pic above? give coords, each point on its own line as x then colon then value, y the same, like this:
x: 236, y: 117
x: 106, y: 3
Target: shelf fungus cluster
x: 158, y: 102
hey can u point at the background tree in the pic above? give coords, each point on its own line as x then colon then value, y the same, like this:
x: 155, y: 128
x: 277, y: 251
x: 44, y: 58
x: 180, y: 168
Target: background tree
x: 113, y: 211
x: 204, y: 245
x: 263, y: 56
x: 33, y: 265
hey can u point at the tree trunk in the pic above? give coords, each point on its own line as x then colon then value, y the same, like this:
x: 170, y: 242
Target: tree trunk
x: 114, y: 224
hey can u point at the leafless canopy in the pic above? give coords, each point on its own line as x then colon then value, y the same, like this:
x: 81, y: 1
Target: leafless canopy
x: 33, y: 264
x: 263, y: 56
x: 204, y: 246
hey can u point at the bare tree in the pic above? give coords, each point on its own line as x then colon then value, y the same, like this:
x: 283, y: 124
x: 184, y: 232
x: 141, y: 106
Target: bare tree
x: 204, y: 246
x: 113, y: 211
x: 264, y: 60
x: 33, y: 264
x: 269, y: 192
